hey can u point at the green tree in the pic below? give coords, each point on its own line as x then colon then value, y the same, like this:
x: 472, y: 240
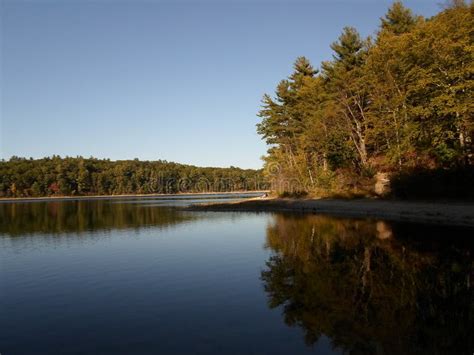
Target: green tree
x: 346, y: 81
x: 398, y: 19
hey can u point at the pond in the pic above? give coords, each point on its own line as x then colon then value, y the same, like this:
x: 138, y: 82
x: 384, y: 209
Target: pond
x: 142, y: 276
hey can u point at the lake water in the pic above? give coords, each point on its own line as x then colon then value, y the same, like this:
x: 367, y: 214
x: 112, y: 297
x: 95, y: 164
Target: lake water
x: 140, y: 276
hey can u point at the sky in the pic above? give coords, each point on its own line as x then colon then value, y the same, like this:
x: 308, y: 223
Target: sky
x: 175, y: 80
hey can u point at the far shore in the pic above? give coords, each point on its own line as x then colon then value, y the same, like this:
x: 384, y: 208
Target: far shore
x: 132, y: 196
x: 440, y: 212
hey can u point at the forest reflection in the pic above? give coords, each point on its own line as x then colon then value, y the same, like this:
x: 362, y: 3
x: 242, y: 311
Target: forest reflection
x: 373, y: 287
x: 56, y: 217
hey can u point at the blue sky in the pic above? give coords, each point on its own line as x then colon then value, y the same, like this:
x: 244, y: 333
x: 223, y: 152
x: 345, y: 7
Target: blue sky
x: 174, y: 80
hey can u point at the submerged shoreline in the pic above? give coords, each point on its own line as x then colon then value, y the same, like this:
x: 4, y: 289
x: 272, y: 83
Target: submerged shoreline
x: 440, y: 213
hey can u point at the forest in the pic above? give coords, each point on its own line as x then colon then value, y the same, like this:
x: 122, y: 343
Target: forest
x: 56, y: 176
x: 389, y: 114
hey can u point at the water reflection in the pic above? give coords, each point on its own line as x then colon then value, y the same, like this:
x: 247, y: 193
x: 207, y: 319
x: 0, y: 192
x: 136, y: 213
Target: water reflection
x: 368, y: 286
x: 57, y: 217
x: 372, y: 287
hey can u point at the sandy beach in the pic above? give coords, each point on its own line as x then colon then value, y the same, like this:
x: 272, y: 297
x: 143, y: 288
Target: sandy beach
x: 442, y: 213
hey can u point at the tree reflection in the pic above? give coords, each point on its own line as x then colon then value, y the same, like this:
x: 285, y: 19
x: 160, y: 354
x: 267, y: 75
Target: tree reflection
x: 57, y: 217
x: 370, y: 287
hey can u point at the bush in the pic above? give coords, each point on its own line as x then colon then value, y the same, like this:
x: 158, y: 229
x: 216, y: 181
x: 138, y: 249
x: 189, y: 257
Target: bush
x: 292, y: 194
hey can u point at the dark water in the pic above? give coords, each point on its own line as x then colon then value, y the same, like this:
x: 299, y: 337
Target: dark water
x: 140, y: 277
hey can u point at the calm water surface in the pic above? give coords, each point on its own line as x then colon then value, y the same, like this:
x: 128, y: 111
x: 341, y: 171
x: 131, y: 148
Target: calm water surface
x: 142, y: 277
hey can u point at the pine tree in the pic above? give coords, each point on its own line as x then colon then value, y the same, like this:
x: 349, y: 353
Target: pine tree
x: 347, y: 85
x: 398, y: 19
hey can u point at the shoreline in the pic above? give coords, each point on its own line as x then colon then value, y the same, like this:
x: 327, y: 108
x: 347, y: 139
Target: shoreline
x: 131, y: 196
x: 439, y: 213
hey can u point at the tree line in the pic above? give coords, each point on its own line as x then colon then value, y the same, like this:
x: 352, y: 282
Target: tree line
x: 56, y: 176
x: 392, y: 105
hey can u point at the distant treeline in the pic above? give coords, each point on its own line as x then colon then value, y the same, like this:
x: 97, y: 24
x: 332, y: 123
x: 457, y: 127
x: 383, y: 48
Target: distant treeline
x: 56, y: 176
x: 399, y: 103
